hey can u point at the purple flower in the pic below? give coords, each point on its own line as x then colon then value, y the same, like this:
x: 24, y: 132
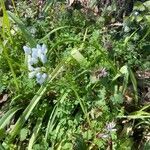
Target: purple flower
x: 101, y: 73
x: 111, y: 126
x: 102, y: 135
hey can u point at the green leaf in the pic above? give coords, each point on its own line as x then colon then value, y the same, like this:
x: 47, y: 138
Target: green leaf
x: 139, y: 6
x: 35, y: 132
x: 23, y: 134
x: 134, y: 83
x: 147, y: 4
x: 147, y: 145
x: 123, y: 70
x: 1, y: 147
x: 79, y: 57
x: 2, y: 133
x: 48, y: 4
x: 7, y: 117
x: 139, y: 18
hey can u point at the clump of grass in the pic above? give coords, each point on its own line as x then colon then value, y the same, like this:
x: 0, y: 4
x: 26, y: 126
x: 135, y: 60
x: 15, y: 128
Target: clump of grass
x: 90, y: 96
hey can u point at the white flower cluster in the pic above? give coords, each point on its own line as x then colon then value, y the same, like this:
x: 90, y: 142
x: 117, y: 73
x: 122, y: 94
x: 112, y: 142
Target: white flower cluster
x: 34, y: 55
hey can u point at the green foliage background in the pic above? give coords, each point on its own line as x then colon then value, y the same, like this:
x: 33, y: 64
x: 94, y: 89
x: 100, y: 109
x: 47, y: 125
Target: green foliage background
x: 77, y: 106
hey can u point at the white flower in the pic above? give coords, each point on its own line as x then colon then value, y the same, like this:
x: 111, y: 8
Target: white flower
x: 32, y: 74
x: 126, y: 29
x: 102, y: 135
x: 30, y: 68
x: 136, y: 13
x: 34, y: 71
x: 33, y: 30
x: 44, y: 76
x: 27, y: 50
x: 37, y: 69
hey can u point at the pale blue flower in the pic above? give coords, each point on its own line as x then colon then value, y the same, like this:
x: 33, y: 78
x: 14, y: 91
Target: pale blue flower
x: 38, y: 75
x: 34, y: 53
x: 27, y: 50
x: 41, y: 52
x: 38, y: 46
x: 43, y: 58
x: 32, y: 60
x: 41, y: 49
x: 44, y: 49
x: 41, y: 78
x: 34, y: 72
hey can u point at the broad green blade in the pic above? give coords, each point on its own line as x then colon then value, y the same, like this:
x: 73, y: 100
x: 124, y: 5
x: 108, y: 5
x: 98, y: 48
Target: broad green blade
x: 7, y: 117
x: 23, y: 29
x: 25, y: 115
x: 35, y: 132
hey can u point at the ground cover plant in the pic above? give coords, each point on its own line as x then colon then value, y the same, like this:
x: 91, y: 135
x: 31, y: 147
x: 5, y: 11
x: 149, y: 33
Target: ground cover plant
x: 73, y: 76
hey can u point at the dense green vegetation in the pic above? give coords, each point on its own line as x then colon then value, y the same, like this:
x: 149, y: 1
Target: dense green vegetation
x: 73, y: 79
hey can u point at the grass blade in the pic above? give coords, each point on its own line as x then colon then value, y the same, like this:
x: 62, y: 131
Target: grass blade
x: 53, y: 116
x: 134, y: 83
x: 25, y: 115
x: 7, y: 117
x: 23, y: 29
x: 47, y: 35
x: 35, y: 132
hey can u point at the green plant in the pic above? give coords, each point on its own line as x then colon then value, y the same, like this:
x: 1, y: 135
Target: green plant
x: 90, y: 98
